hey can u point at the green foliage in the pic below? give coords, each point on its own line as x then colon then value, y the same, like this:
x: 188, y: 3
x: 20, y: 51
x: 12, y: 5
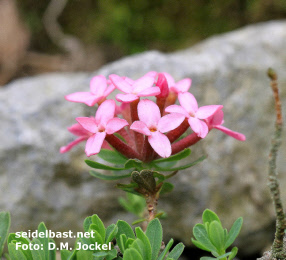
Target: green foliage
x: 4, y: 229
x: 212, y: 237
x: 134, y: 204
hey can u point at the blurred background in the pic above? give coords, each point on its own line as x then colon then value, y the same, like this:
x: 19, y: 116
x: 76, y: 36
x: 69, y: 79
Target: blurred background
x: 82, y: 35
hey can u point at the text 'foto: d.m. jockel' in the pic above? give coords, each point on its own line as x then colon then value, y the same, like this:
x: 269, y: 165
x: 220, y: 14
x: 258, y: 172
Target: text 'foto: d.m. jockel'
x: 139, y: 128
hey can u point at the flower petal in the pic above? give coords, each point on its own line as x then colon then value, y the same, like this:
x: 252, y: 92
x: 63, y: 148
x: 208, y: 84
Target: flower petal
x: 170, y: 79
x: 78, y: 130
x: 140, y: 127
x: 231, y: 133
x: 188, y: 102
x: 170, y: 122
x: 88, y: 123
x: 143, y: 83
x: 199, y: 127
x: 216, y: 119
x: 94, y: 143
x: 83, y: 97
x: 177, y: 109
x: 153, y: 91
x: 115, y: 124
x: 105, y: 112
x: 98, y: 85
x: 160, y: 143
x: 149, y: 113
x: 108, y: 90
x: 66, y: 148
x: 207, y: 111
x: 126, y: 98
x: 120, y: 83
x: 182, y: 85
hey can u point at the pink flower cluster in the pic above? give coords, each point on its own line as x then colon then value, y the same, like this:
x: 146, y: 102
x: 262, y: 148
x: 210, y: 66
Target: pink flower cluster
x: 146, y: 128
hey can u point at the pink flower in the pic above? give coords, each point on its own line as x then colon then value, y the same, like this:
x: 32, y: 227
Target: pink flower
x: 216, y: 121
x: 79, y: 131
x: 152, y: 125
x: 133, y: 90
x: 100, y: 88
x: 189, y: 108
x: 104, y: 123
x: 181, y: 86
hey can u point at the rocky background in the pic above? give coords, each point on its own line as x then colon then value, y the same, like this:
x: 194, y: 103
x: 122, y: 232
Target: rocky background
x: 37, y: 183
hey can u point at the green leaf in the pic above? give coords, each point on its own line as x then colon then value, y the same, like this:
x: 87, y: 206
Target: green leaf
x: 84, y: 255
x: 108, y: 177
x: 176, y: 157
x: 23, y: 240
x: 132, y: 254
x: 161, y: 177
x: 209, y: 216
x: 99, y: 226
x: 111, y: 254
x: 52, y: 252
x: 200, y: 233
x: 68, y: 255
x: 216, y: 235
x: 207, y: 258
x: 95, y: 238
x: 112, y: 156
x: 144, y: 179
x: 124, y: 228
x: 233, y: 253
x: 233, y: 233
x: 134, y: 163
x: 139, y: 246
x: 147, y: 246
x: 199, y: 245
x: 166, y: 250
x: 111, y: 231
x: 139, y: 221
x: 4, y: 229
x: 154, y: 233
x: 87, y: 222
x: 182, y: 167
x: 166, y: 187
x: 98, y: 255
x: 223, y: 256
x: 16, y: 254
x: 45, y: 240
x: 177, y: 251
x: 38, y: 254
x: 97, y: 165
x: 134, y: 204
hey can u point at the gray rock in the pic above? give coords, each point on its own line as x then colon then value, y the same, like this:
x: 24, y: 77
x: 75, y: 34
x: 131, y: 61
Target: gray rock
x: 39, y: 184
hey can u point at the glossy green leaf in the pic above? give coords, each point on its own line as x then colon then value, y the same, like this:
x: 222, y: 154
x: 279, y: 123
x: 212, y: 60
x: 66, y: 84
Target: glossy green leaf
x: 147, y: 246
x: 209, y: 216
x: 16, y: 254
x: 207, y: 258
x: 176, y: 251
x: 134, y: 163
x: 97, y: 165
x: 112, y: 156
x: 233, y: 233
x: 132, y: 254
x: 4, y: 229
x: 111, y: 231
x: 182, y: 167
x: 166, y: 188
x: 154, y: 233
x: 108, y: 177
x: 99, y: 226
x: 216, y: 235
x: 166, y: 250
x: 200, y: 233
x: 176, y: 157
x: 233, y: 253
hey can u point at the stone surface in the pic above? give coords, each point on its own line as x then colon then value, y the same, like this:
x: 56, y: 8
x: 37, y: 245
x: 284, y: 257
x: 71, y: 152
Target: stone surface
x: 39, y: 184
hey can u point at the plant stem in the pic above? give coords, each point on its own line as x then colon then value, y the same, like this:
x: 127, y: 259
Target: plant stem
x: 273, y: 184
x: 151, y: 203
x: 122, y: 147
x: 185, y: 143
x: 176, y: 133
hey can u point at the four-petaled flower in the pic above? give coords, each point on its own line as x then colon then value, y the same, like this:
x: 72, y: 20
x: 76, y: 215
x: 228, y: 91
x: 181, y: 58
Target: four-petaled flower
x: 216, y: 121
x: 100, y: 88
x: 189, y: 108
x: 153, y: 125
x: 142, y: 87
x: 181, y: 86
x: 102, y: 124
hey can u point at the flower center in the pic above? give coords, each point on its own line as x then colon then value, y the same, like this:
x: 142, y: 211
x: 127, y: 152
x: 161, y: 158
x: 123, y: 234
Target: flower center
x: 153, y: 129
